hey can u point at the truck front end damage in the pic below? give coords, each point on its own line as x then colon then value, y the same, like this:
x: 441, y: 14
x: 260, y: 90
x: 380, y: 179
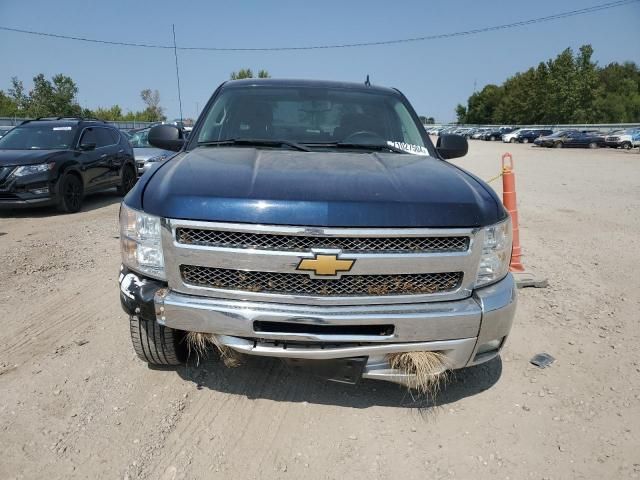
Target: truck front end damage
x: 340, y: 302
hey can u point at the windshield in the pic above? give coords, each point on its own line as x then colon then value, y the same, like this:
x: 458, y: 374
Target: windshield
x: 139, y: 139
x: 312, y: 116
x: 38, y: 137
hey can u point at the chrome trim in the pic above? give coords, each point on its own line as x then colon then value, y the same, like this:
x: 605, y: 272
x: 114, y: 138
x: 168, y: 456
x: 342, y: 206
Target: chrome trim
x: 498, y: 303
x: 323, y: 231
x: 176, y: 254
x: 413, y: 322
x: 461, y: 349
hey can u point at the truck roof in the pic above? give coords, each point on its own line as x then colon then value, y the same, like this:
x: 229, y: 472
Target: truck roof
x: 286, y: 82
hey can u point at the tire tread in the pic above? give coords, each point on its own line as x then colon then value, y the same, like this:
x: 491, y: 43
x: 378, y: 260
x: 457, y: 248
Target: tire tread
x: 154, y: 343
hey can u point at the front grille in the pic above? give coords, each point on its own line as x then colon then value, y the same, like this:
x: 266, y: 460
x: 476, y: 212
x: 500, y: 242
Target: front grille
x: 301, y: 284
x: 220, y: 238
x: 612, y: 139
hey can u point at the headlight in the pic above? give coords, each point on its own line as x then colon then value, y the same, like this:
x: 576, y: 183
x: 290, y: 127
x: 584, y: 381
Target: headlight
x: 141, y: 243
x: 31, y: 169
x: 157, y: 158
x: 496, y: 253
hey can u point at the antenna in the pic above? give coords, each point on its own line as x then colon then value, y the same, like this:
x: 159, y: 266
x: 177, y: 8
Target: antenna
x: 175, y: 52
x: 367, y: 82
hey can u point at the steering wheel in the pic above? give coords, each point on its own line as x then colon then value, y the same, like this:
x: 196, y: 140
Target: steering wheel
x: 362, y: 135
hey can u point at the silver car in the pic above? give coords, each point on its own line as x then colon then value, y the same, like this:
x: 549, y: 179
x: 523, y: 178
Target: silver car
x: 145, y: 154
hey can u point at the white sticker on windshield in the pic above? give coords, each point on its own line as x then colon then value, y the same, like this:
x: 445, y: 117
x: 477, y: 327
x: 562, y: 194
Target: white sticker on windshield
x: 62, y: 128
x: 409, y: 148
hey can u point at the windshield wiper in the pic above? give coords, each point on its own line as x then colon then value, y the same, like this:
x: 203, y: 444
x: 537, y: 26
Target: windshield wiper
x: 260, y: 142
x: 362, y: 146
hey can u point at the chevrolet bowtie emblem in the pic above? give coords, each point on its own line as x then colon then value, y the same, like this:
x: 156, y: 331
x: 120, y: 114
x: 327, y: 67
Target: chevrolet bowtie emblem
x: 328, y: 265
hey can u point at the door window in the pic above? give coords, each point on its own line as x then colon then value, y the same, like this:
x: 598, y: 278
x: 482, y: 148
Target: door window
x: 89, y: 136
x: 104, y: 137
x: 115, y: 136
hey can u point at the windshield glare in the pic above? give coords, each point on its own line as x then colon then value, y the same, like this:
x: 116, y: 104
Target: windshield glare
x: 38, y: 137
x: 310, y: 115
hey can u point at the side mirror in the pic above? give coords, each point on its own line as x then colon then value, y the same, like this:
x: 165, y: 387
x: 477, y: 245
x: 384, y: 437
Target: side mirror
x: 87, y: 146
x: 166, y: 137
x: 452, y: 146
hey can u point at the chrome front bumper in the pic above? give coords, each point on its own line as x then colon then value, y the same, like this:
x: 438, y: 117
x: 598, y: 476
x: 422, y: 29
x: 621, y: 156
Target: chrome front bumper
x: 457, y: 329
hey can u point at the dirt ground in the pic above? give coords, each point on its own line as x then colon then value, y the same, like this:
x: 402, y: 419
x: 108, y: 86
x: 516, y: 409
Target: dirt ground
x: 76, y: 403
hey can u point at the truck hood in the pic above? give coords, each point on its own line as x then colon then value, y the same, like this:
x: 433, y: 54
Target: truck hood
x: 282, y: 187
x: 28, y: 157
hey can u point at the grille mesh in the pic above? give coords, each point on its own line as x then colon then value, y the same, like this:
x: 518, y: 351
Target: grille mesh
x: 219, y: 238
x: 300, y: 284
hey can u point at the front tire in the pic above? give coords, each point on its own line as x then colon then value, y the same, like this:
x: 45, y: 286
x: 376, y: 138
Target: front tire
x: 593, y: 145
x: 558, y: 145
x: 627, y: 146
x: 129, y: 179
x: 525, y: 140
x: 155, y: 343
x: 513, y: 140
x: 492, y: 138
x: 71, y: 194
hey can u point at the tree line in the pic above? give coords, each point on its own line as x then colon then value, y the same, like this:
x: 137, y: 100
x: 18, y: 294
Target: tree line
x: 58, y: 97
x: 570, y: 88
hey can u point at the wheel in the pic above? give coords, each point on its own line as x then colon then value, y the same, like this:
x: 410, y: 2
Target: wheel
x: 525, y: 140
x: 593, y: 145
x: 626, y: 145
x: 513, y: 140
x: 492, y: 138
x: 71, y: 194
x: 558, y: 145
x: 129, y: 179
x: 157, y: 344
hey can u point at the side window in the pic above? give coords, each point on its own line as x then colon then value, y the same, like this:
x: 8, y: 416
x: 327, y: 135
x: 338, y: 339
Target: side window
x: 89, y: 136
x: 115, y: 135
x: 104, y: 137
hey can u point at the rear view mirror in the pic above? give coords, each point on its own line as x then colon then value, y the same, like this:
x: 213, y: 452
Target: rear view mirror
x: 166, y: 137
x: 452, y: 146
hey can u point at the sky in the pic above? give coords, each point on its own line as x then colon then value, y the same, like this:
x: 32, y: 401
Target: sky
x: 435, y: 75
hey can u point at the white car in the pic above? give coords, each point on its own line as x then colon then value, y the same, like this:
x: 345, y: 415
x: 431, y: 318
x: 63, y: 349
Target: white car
x: 511, y: 136
x: 626, y: 139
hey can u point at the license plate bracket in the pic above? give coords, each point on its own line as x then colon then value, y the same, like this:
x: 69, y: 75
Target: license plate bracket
x: 342, y: 370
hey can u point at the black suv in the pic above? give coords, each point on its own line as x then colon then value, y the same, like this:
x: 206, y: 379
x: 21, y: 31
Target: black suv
x: 56, y: 161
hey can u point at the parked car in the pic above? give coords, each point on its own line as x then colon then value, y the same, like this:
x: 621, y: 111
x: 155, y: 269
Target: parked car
x: 236, y: 238
x: 529, y: 135
x: 144, y: 153
x: 478, y: 134
x: 623, y: 138
x: 57, y: 161
x: 495, y: 133
x: 572, y: 138
x: 510, y: 137
x: 550, y: 140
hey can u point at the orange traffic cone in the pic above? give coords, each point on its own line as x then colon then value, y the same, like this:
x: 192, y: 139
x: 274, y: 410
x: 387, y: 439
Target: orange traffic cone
x: 510, y: 203
x: 523, y: 279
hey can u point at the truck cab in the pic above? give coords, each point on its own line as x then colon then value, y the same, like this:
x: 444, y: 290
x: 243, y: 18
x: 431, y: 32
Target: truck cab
x: 315, y: 222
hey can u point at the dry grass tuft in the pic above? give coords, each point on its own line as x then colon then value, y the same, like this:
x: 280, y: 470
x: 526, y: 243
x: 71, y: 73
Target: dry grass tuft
x: 198, y: 342
x: 429, y: 370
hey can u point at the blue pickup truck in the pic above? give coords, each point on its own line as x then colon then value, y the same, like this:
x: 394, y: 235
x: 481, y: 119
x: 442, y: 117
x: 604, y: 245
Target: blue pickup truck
x: 315, y: 222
